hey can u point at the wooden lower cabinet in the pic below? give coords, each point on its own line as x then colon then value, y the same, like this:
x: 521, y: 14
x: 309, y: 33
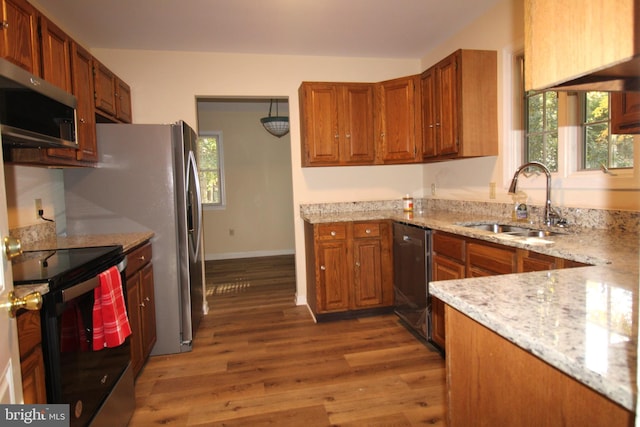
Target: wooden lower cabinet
x: 141, y: 304
x: 31, y: 359
x: 493, y: 382
x: 459, y: 257
x: 349, y: 267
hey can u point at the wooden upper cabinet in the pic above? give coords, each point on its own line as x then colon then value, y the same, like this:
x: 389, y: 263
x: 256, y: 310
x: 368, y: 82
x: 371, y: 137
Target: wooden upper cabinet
x: 573, y: 38
x: 398, y: 121
x: 459, y: 106
x: 56, y: 55
x: 337, y: 123
x: 19, y: 41
x: 82, y: 72
x: 123, y: 101
x: 625, y: 112
x: 105, y: 88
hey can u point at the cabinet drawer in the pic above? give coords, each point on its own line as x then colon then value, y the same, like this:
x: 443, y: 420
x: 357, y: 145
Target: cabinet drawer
x: 490, y: 259
x: 138, y: 258
x: 366, y: 229
x: 332, y: 231
x: 449, y: 245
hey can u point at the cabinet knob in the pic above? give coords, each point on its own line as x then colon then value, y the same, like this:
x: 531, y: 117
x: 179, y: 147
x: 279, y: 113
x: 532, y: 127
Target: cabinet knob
x: 147, y: 299
x: 5, y: 25
x: 142, y: 258
x: 382, y: 134
x: 368, y: 231
x: 431, y: 126
x: 437, y: 124
x: 348, y: 135
x: 323, y: 268
x: 358, y: 264
x: 336, y: 136
x: 142, y: 304
x: 82, y: 120
x: 333, y: 233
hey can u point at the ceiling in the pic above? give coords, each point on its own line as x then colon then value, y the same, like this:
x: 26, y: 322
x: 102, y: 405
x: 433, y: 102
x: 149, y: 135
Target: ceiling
x: 356, y: 28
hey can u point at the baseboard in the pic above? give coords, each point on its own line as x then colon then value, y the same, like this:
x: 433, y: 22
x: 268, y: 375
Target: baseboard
x: 254, y: 254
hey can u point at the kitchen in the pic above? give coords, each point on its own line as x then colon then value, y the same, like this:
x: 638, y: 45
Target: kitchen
x: 235, y: 75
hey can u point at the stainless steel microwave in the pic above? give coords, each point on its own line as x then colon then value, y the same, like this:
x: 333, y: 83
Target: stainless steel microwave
x: 33, y: 112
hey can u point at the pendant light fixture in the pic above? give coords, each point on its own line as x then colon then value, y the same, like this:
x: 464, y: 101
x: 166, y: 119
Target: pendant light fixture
x: 275, y: 125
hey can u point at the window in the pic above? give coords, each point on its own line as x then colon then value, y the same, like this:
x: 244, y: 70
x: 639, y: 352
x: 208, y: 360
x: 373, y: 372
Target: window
x: 541, y: 128
x: 210, y: 169
x: 602, y: 149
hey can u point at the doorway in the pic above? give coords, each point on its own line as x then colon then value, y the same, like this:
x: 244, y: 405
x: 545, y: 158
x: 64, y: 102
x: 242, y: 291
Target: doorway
x: 256, y: 217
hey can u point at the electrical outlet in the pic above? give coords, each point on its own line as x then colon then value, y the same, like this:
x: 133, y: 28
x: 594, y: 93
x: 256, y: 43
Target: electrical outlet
x: 38, y: 207
x: 492, y: 190
x: 433, y: 189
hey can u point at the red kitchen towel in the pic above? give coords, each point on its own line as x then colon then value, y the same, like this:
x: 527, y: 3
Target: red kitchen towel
x: 110, y: 322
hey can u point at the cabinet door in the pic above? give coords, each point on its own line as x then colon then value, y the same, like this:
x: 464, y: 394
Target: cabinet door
x: 134, y: 310
x: 333, y: 276
x: 123, y: 101
x: 319, y: 122
x: 356, y: 124
x: 105, y: 88
x: 56, y: 69
x: 398, y: 121
x: 19, y: 35
x: 56, y: 55
x: 625, y: 112
x: 428, y: 93
x: 148, y: 312
x: 82, y: 66
x: 443, y: 269
x: 446, y: 99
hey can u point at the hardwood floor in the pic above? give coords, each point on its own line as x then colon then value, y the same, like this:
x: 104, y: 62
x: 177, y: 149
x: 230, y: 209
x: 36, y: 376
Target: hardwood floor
x: 260, y: 360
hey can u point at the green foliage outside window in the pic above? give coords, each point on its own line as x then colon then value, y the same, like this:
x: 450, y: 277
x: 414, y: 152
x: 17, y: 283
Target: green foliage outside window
x: 601, y: 147
x: 541, y: 136
x: 208, y: 159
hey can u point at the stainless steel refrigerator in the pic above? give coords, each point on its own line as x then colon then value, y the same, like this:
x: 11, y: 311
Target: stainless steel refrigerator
x: 147, y: 180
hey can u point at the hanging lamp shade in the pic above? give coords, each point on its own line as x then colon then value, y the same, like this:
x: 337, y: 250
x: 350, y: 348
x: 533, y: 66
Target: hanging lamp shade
x: 275, y: 125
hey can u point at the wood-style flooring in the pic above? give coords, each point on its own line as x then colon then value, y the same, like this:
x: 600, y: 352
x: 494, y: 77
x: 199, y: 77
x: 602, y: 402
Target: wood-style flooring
x: 260, y: 360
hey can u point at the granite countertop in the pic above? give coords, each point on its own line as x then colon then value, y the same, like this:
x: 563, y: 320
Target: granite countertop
x: 127, y: 240
x: 581, y: 320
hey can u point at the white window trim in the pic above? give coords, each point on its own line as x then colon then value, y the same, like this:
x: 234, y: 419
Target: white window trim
x: 223, y: 192
x: 569, y: 140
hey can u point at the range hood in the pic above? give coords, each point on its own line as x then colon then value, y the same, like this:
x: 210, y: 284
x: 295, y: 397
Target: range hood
x: 33, y: 112
x: 622, y: 77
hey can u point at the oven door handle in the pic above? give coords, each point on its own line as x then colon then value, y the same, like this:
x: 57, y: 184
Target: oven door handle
x: 84, y: 287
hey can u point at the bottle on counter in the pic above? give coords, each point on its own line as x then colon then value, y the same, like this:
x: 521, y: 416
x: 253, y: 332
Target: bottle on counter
x: 520, y: 208
x: 407, y: 203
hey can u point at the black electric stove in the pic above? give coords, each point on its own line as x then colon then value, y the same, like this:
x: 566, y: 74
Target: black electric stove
x: 63, y: 267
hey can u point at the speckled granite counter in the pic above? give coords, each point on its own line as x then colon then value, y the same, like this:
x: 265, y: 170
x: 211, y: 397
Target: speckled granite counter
x: 127, y: 240
x: 583, y: 321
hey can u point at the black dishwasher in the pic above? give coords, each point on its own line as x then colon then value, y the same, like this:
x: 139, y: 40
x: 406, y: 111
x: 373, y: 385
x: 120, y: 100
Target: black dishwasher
x: 412, y: 267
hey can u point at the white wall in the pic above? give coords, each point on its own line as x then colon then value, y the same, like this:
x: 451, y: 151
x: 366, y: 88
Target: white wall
x: 257, y: 219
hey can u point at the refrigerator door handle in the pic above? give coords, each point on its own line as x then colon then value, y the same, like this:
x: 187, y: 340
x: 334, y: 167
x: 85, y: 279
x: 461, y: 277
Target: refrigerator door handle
x: 195, y: 229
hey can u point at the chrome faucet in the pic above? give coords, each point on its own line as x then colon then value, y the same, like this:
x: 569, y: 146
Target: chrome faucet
x: 551, y: 217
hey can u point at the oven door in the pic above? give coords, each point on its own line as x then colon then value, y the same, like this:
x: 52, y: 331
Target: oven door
x: 75, y: 374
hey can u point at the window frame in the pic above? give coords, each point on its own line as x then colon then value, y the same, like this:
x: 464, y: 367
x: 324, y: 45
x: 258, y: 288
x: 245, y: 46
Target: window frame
x: 221, y: 175
x: 569, y: 138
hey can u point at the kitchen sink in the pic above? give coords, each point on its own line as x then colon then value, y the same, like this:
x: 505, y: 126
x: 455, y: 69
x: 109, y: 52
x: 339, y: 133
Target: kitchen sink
x: 512, y: 230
